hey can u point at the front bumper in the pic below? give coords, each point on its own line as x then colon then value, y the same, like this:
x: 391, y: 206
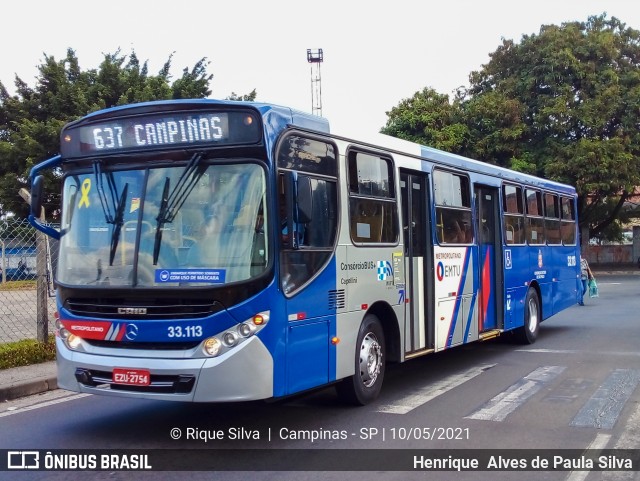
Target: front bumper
x: 242, y: 374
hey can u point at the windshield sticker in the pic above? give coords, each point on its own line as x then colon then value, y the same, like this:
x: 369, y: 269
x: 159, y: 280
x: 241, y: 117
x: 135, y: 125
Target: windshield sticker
x: 84, y: 191
x: 135, y: 204
x: 215, y: 276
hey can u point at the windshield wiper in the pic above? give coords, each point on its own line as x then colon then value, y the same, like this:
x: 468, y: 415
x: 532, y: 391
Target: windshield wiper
x: 97, y: 172
x: 118, y: 206
x: 161, y: 219
x: 171, y: 203
x: 117, y: 223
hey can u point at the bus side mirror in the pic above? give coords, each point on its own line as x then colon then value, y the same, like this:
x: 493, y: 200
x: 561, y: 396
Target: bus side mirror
x: 304, y: 200
x: 36, y: 196
x: 36, y: 208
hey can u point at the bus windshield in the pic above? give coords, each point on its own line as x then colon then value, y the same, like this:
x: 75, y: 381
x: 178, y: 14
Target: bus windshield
x: 194, y: 225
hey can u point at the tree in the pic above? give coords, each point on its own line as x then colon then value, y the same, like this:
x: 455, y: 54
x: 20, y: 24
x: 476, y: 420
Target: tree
x: 250, y: 97
x: 31, y: 120
x: 562, y: 104
x: 428, y: 118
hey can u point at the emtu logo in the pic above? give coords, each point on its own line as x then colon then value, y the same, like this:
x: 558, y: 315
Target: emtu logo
x: 443, y: 271
x: 440, y: 271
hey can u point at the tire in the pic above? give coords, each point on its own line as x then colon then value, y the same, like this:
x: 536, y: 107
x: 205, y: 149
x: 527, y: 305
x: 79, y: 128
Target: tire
x: 528, y: 333
x: 370, y: 356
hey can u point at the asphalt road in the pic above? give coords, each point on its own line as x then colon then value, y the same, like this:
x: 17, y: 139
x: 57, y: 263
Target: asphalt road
x: 575, y: 388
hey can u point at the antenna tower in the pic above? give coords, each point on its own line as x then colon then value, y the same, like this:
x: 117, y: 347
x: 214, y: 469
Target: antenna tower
x: 314, y: 57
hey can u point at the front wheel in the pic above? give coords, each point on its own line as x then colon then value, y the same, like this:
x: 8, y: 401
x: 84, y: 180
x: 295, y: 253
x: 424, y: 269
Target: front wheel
x: 370, y: 356
x: 528, y: 333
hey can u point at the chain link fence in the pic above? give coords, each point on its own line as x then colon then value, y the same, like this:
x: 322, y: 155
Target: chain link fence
x: 27, y: 302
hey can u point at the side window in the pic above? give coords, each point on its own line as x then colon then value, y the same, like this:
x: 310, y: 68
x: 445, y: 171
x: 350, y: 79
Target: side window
x: 323, y: 228
x: 552, y: 219
x: 535, y: 220
x: 514, y: 232
x: 568, y: 222
x: 373, y: 212
x: 453, y: 208
x: 307, y: 208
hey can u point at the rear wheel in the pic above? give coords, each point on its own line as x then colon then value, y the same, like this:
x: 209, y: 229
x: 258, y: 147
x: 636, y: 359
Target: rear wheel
x: 528, y: 333
x: 370, y: 356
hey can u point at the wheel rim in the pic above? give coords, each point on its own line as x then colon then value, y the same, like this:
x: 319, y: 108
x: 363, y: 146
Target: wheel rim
x: 533, y: 315
x: 370, y: 359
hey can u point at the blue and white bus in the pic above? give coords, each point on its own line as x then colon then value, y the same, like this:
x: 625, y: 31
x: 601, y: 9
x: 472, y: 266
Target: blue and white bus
x: 217, y: 251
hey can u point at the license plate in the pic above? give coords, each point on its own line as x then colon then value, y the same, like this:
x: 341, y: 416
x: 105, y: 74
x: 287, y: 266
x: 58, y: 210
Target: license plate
x: 131, y: 377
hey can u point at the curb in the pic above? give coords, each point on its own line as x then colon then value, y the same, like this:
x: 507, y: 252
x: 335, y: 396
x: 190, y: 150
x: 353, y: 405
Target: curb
x: 17, y: 382
x: 596, y: 273
x: 28, y: 388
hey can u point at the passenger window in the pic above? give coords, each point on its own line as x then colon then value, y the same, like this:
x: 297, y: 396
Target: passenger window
x: 453, y: 208
x: 534, y: 219
x: 552, y: 219
x: 514, y: 230
x: 373, y: 212
x: 568, y: 221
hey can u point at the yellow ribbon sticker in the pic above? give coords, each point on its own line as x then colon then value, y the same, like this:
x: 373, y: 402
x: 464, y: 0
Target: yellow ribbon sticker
x: 86, y: 187
x: 135, y: 204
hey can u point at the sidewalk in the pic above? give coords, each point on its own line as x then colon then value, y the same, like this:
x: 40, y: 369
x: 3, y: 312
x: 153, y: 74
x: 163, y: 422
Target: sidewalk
x: 23, y: 381
x: 615, y: 272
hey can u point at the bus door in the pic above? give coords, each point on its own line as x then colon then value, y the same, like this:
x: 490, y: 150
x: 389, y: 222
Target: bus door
x: 490, y: 268
x: 418, y: 252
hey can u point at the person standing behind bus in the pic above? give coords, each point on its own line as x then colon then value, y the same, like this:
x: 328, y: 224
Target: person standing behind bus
x: 585, y: 275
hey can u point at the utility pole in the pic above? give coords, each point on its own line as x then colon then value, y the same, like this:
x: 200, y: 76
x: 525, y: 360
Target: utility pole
x: 42, y: 291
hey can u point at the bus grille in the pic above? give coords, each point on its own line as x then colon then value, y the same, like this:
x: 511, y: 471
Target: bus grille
x: 337, y: 299
x: 142, y: 308
x: 144, y: 346
x: 161, y: 384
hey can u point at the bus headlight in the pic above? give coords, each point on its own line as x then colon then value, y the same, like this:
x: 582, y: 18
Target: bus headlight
x: 73, y: 341
x: 212, y: 346
x: 229, y: 339
x: 63, y: 333
x: 245, y: 329
x: 234, y: 336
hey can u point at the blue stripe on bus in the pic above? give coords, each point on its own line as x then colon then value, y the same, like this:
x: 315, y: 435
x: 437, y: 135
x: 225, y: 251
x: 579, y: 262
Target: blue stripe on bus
x: 458, y: 302
x: 469, y: 320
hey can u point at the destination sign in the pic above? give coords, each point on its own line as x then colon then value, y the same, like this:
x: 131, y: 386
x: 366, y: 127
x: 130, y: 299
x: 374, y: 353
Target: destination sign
x: 151, y: 132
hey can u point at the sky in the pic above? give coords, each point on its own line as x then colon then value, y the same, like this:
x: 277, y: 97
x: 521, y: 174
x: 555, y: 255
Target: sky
x: 375, y: 53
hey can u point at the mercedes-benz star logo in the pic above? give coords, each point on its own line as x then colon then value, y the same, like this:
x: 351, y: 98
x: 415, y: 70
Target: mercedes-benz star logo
x: 131, y: 332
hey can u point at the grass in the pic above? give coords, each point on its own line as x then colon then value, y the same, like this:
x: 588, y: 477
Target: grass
x: 14, y: 285
x: 26, y: 352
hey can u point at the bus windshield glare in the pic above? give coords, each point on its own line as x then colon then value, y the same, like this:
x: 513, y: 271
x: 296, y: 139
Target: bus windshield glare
x: 190, y: 225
